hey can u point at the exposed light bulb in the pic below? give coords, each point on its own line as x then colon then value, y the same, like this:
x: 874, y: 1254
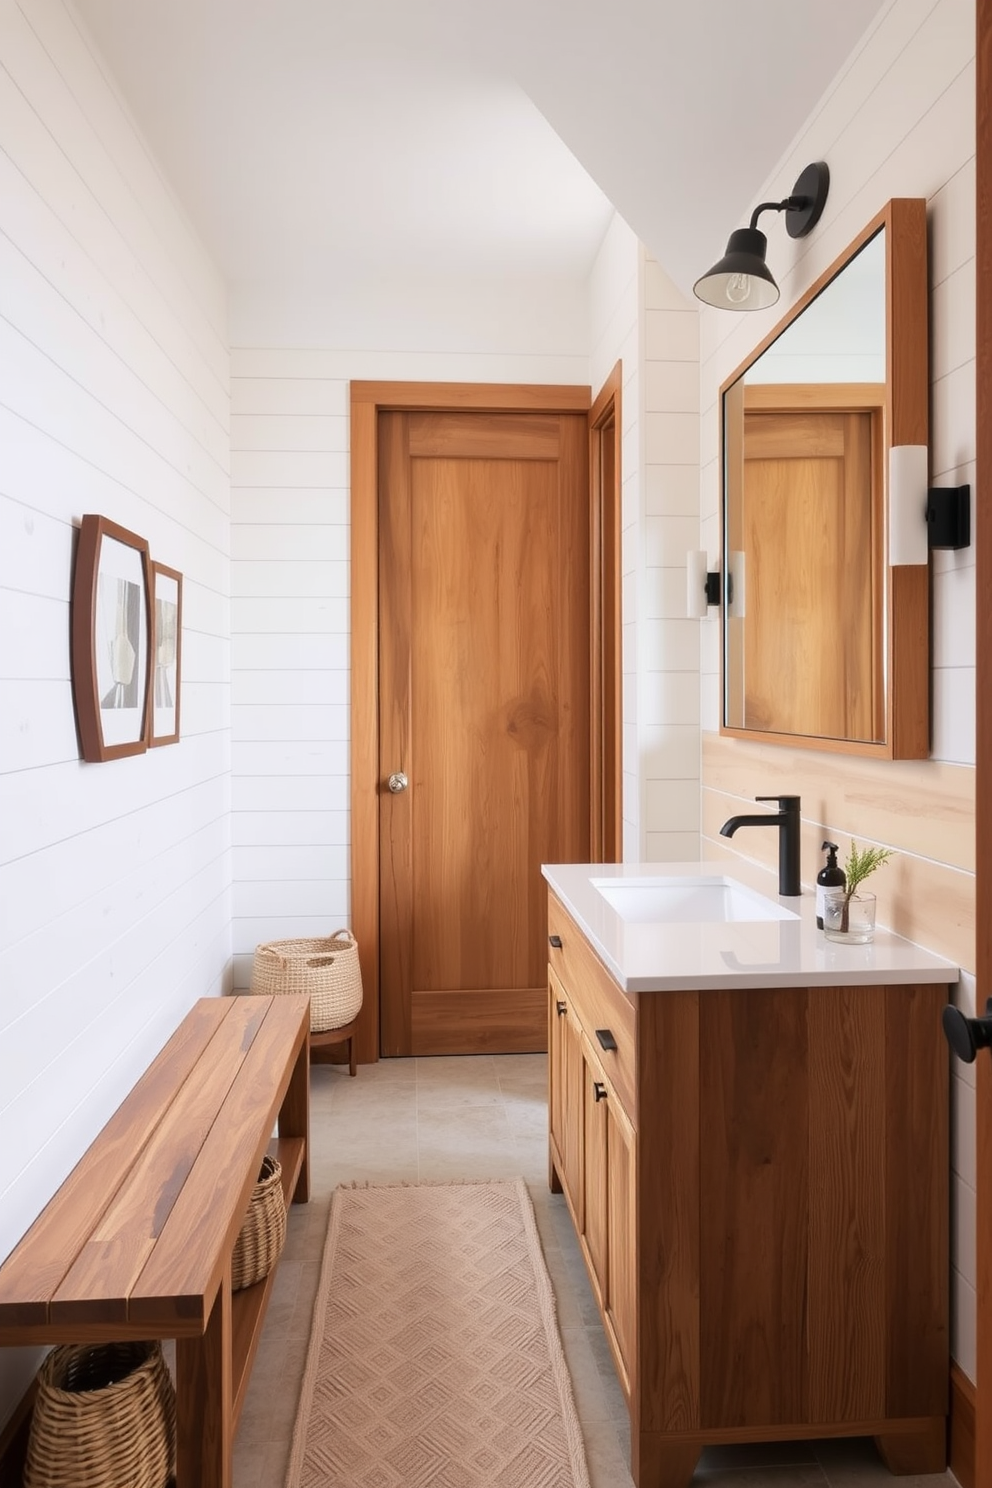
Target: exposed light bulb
x: 738, y: 288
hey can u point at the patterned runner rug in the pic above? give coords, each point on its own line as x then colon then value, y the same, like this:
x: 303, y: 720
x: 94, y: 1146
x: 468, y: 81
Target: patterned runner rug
x: 435, y: 1359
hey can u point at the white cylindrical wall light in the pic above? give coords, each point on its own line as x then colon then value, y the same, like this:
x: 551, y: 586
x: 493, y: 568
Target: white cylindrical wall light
x: 696, y: 602
x: 908, y: 480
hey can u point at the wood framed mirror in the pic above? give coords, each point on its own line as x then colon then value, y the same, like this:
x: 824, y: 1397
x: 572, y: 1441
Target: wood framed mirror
x: 824, y: 645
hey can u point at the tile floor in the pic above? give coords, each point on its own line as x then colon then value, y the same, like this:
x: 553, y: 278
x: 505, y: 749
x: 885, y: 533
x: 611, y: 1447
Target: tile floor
x: 417, y: 1119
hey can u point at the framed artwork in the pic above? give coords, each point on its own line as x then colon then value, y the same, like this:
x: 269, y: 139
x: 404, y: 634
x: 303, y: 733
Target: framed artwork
x: 110, y: 640
x: 167, y: 636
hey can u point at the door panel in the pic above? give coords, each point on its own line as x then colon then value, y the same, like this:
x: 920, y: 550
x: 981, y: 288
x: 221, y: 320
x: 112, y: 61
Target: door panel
x: 810, y: 666
x: 484, y: 705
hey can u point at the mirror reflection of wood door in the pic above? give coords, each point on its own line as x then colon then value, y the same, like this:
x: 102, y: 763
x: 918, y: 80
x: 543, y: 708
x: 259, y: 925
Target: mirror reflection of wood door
x: 484, y: 707
x: 810, y: 531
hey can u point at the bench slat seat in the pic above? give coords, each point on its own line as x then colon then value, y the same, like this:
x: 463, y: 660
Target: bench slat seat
x: 137, y: 1242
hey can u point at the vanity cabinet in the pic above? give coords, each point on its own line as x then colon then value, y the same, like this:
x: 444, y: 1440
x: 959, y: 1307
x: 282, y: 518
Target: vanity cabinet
x: 759, y: 1180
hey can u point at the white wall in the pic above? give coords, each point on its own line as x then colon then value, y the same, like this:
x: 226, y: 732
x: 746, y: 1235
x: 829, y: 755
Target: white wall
x: 114, y: 878
x: 668, y: 668
x: 898, y: 121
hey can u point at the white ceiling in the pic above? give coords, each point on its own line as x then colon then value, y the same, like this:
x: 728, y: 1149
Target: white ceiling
x: 314, y: 139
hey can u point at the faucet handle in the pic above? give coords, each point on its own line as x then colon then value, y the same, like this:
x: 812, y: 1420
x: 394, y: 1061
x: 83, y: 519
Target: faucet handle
x: 784, y: 801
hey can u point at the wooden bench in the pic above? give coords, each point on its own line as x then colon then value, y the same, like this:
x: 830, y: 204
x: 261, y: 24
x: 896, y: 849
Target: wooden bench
x: 137, y: 1242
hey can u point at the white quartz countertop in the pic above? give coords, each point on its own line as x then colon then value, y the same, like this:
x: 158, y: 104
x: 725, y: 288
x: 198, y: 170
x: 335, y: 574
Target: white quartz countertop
x: 657, y: 957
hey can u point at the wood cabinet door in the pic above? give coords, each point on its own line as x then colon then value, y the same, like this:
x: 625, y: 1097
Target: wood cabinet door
x: 621, y: 1243
x: 567, y: 1112
x: 596, y: 1098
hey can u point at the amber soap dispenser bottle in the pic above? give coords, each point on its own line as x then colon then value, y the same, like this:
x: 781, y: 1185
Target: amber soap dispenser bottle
x: 830, y: 876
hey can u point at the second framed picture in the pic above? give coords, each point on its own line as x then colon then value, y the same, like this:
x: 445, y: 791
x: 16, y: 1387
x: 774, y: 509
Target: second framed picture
x: 166, y: 652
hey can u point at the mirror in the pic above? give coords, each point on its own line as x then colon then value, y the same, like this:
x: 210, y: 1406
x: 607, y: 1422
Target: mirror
x: 824, y: 645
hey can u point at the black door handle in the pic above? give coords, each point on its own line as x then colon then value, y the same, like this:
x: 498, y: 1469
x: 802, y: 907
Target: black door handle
x: 967, y: 1035
x: 606, y: 1039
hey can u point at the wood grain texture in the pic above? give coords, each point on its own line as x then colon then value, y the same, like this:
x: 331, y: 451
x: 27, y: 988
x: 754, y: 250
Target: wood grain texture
x: 473, y: 1020
x: 484, y: 703
x: 983, y: 694
x: 962, y: 1429
x: 484, y: 436
x: 596, y: 1222
x: 606, y: 680
x: 669, y: 1347
x: 621, y: 1268
x: 917, y: 1262
x: 204, y: 1398
x: 366, y: 401
x: 395, y: 817
x: 878, y: 800
x: 598, y: 1002
x: 34, y: 1270
x: 846, y: 1324
x: 753, y: 1190
x: 812, y: 649
x: 105, y: 1273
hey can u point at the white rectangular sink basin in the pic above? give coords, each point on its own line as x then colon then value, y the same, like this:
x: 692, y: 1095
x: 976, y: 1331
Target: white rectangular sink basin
x: 687, y: 901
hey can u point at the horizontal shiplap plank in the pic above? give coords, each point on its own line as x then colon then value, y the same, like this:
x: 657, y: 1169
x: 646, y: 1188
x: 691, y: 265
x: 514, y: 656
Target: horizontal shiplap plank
x: 286, y: 828
x: 290, y: 793
x: 277, y: 688
x: 290, y: 650
x: 322, y: 543
x: 301, y: 863
x: 296, y: 723
x: 313, y: 757
x: 274, y: 578
x: 290, y: 616
x: 293, y: 396
x: 289, y: 468
x: 289, y: 431
x: 290, y: 508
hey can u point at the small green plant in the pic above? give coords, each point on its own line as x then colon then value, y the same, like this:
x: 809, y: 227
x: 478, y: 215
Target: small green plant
x: 859, y: 865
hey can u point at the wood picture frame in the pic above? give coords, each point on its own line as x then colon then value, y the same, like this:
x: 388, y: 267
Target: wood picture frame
x: 110, y: 640
x: 166, y: 612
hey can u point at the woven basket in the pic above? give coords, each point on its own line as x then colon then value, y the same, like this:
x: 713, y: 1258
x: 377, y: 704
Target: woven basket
x: 326, y: 968
x: 105, y: 1415
x: 263, y: 1232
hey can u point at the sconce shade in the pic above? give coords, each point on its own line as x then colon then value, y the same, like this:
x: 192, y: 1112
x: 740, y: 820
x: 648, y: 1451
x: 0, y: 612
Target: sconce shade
x: 741, y: 280
x: 908, y: 464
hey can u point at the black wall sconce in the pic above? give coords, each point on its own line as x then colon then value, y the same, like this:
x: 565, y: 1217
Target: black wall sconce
x: 922, y: 516
x: 742, y: 280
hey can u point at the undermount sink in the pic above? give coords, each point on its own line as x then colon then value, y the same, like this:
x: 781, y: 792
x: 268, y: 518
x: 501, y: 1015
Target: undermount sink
x: 687, y: 901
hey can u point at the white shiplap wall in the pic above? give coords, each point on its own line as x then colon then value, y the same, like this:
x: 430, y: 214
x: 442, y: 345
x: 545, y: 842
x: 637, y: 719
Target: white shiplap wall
x: 898, y: 121
x: 668, y: 704
x: 114, y: 878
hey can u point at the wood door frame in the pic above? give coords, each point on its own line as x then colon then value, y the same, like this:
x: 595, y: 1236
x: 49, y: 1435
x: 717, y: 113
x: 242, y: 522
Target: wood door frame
x: 368, y: 400
x: 983, y: 781
x: 606, y: 672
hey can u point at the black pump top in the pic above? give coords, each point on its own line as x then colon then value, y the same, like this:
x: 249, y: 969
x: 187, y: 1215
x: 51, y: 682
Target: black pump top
x: 830, y: 848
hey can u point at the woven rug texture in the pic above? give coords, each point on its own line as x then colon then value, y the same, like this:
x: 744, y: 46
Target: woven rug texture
x: 435, y: 1357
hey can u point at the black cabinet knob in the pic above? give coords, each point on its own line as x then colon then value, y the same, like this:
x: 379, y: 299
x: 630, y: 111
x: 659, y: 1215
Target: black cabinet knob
x: 555, y: 940
x: 599, y: 1090
x: 606, y: 1039
x: 967, y: 1035
x: 561, y: 1008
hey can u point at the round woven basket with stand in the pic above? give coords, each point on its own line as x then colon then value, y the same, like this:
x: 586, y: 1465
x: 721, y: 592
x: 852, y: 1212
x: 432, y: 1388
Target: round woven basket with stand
x: 263, y: 1232
x: 326, y: 968
x: 105, y: 1415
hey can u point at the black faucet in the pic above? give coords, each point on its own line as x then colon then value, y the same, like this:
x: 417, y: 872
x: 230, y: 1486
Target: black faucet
x: 786, y: 818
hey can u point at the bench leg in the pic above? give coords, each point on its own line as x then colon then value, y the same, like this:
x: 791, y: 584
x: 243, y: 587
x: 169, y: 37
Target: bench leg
x: 294, y: 1117
x: 204, y: 1400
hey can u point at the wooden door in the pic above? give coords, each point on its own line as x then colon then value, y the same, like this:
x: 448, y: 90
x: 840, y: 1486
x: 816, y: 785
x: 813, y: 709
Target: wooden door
x: 484, y: 625
x: 812, y: 647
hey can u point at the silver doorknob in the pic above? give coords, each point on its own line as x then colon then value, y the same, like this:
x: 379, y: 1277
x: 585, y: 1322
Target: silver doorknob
x: 398, y: 782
